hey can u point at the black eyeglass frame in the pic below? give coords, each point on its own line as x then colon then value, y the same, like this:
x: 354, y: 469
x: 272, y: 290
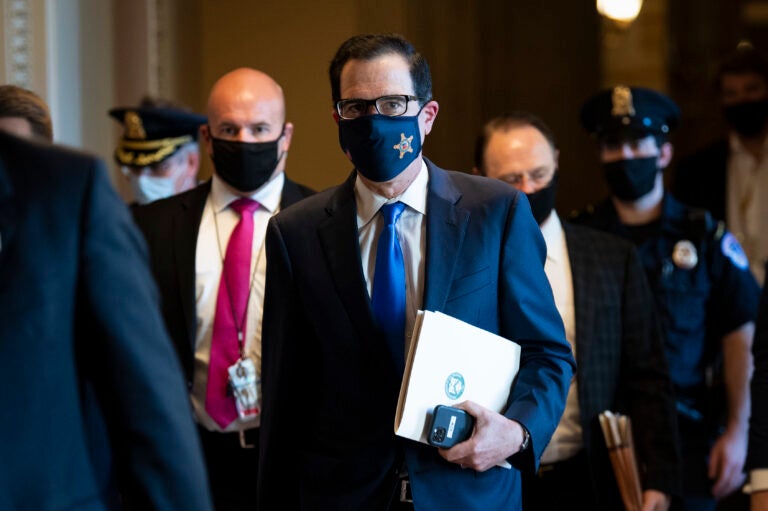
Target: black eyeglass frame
x: 368, y: 102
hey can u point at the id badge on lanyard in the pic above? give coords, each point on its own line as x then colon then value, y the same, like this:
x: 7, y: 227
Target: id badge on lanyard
x: 242, y: 379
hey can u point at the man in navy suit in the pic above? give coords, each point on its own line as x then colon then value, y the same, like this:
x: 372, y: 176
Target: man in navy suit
x: 610, y: 318
x: 93, y: 411
x: 470, y: 249
x: 188, y: 234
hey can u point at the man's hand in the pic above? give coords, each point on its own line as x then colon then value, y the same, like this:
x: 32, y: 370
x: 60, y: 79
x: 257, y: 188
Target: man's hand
x: 654, y: 500
x: 494, y: 439
x: 726, y: 462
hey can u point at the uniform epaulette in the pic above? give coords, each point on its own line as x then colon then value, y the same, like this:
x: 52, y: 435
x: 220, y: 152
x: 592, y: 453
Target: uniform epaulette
x: 699, y: 224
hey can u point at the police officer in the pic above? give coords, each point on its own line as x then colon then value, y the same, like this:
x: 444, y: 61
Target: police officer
x: 706, y: 296
x: 158, y: 152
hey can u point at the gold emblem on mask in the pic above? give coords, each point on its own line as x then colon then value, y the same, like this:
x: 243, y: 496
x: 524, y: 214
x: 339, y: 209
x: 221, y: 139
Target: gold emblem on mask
x: 622, y: 102
x: 133, y: 127
x: 404, y: 146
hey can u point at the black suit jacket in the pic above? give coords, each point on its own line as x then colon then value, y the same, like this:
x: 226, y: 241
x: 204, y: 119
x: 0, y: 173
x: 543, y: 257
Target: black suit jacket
x: 329, y: 384
x: 621, y: 365
x: 700, y: 179
x: 170, y: 227
x: 93, y: 404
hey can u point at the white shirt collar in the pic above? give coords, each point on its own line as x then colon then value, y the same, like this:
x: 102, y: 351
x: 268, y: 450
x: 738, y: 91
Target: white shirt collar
x: 268, y: 195
x: 369, y: 203
x: 552, y: 230
x: 737, y: 147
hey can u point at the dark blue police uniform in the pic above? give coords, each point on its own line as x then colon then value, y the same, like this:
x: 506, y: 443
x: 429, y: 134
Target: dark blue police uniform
x: 700, y: 279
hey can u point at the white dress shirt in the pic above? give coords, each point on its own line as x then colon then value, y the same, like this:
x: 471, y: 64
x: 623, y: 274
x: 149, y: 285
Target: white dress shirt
x: 567, y: 439
x: 216, y: 226
x: 411, y: 232
x: 747, y: 203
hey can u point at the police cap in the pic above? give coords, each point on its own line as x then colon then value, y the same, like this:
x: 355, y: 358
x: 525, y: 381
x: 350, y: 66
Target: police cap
x: 153, y: 134
x: 629, y: 113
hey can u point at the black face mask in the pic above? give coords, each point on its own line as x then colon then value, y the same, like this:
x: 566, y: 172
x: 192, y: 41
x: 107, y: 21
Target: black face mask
x: 245, y: 166
x: 749, y: 118
x: 543, y: 201
x: 631, y: 179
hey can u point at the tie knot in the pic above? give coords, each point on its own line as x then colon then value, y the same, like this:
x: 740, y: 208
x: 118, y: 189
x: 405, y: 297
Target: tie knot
x: 391, y: 212
x: 244, y: 205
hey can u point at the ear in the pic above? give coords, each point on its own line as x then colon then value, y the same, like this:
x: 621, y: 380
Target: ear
x: 665, y: 155
x: 475, y: 171
x: 429, y: 112
x: 287, y: 136
x: 556, y: 158
x: 335, y: 116
x: 193, y: 162
x: 205, y: 132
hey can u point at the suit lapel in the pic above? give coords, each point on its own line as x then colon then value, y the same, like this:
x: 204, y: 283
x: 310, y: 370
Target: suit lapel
x: 186, y: 225
x: 339, y: 238
x: 291, y: 193
x: 446, y: 226
x: 581, y: 286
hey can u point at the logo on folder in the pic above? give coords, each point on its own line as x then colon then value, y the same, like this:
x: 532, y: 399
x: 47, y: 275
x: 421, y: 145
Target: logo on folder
x: 454, y: 385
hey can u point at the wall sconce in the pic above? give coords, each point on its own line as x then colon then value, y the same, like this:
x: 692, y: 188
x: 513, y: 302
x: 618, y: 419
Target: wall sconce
x: 622, y: 12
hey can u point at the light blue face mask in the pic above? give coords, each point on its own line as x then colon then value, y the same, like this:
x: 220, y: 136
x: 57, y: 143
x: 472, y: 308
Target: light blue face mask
x: 148, y: 188
x: 381, y: 147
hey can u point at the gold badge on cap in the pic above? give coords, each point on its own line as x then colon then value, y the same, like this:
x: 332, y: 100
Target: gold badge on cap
x: 684, y: 255
x: 404, y: 146
x: 621, y: 100
x: 133, y: 127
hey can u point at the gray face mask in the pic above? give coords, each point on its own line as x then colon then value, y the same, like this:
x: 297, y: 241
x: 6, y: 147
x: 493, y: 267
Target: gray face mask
x: 147, y: 188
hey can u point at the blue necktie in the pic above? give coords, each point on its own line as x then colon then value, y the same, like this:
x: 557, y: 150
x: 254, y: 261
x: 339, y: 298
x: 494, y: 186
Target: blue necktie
x: 388, y: 296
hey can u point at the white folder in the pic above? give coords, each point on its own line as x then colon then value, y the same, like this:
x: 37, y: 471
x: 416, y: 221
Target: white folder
x: 450, y: 361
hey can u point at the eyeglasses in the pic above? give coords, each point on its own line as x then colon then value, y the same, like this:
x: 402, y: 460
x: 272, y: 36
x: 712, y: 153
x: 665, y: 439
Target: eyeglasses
x: 391, y: 106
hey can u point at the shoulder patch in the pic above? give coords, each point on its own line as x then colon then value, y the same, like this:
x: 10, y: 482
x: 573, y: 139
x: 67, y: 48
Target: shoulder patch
x: 732, y: 250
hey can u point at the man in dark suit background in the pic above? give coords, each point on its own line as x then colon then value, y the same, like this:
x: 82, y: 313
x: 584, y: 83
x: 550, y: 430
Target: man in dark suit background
x: 602, y: 294
x: 93, y: 410
x: 729, y: 177
x: 189, y: 239
x: 333, y: 365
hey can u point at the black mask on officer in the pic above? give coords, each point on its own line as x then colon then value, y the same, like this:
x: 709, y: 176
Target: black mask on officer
x: 543, y: 201
x: 748, y: 118
x: 631, y: 179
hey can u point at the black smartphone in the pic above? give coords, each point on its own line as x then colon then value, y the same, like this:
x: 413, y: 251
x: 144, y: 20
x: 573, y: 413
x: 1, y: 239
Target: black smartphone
x: 449, y: 426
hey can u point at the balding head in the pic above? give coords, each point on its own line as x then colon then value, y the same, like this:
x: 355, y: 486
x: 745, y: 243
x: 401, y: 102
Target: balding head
x: 246, y: 105
x: 242, y: 90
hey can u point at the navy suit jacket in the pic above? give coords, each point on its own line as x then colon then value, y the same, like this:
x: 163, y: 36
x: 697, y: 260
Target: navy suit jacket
x: 93, y: 409
x: 330, y: 387
x: 170, y: 227
x: 622, y: 365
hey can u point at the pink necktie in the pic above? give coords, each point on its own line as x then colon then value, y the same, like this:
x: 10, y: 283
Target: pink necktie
x: 231, y: 311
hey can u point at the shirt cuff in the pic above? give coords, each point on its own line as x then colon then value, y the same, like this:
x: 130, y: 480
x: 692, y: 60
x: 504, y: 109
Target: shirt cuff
x: 758, y: 481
